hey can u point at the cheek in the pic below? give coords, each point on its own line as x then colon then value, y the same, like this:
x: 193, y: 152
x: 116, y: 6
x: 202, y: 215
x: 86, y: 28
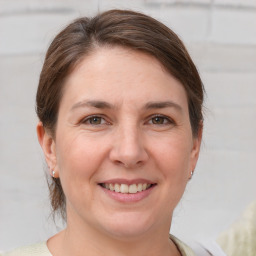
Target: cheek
x: 173, y: 160
x: 173, y: 155
x: 78, y: 160
x: 77, y: 154
x: 174, y: 167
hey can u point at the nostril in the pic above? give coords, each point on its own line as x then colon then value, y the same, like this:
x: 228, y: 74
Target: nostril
x: 118, y: 162
x: 129, y: 164
x: 128, y: 153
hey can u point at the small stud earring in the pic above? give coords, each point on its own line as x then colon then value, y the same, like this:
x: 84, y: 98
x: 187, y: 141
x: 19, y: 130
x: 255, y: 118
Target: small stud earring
x: 191, y: 175
x: 53, y: 174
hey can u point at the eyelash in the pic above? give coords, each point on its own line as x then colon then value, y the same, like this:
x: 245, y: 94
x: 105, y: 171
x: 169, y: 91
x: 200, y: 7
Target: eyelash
x: 166, y: 120
x: 90, y: 118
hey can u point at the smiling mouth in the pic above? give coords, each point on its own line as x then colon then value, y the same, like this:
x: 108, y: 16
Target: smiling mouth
x: 125, y: 188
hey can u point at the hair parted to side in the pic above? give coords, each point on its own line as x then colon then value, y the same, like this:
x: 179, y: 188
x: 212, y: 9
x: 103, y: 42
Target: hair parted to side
x: 112, y: 28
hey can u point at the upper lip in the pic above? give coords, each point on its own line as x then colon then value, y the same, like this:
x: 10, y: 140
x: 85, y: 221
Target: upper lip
x: 126, y: 181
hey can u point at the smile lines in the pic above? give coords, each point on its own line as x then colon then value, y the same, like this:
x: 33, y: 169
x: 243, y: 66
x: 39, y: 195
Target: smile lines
x: 126, y: 189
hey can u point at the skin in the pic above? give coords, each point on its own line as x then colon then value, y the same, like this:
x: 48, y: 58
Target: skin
x: 126, y: 140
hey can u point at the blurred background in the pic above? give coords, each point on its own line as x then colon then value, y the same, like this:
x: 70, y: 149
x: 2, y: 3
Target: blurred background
x: 221, y: 38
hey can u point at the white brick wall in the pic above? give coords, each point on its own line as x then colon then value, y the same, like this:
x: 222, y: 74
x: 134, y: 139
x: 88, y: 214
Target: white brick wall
x: 221, y: 36
x: 238, y: 26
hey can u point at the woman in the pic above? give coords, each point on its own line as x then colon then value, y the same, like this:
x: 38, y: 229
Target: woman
x: 120, y: 108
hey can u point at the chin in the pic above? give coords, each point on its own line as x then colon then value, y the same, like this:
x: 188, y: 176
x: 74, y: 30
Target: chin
x: 128, y: 226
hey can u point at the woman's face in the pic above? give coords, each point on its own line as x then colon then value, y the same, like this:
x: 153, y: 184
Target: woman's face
x: 123, y: 124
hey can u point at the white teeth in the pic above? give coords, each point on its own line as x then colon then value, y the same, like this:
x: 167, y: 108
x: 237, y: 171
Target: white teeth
x: 117, y: 188
x: 133, y: 189
x: 111, y: 187
x: 125, y: 189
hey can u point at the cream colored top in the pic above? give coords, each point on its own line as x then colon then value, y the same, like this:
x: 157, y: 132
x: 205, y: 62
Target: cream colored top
x: 240, y: 238
x: 41, y: 249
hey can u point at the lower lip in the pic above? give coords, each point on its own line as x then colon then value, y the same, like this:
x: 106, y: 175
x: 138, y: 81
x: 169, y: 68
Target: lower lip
x: 128, y: 198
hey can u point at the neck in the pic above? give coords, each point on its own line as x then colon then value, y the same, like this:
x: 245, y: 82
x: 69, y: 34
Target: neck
x: 78, y: 240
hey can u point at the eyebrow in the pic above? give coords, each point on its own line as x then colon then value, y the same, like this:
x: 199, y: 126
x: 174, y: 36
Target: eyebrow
x: 92, y: 103
x: 163, y: 104
x: 105, y: 105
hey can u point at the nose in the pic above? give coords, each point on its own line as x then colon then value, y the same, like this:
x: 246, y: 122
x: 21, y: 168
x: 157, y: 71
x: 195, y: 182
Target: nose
x: 128, y: 148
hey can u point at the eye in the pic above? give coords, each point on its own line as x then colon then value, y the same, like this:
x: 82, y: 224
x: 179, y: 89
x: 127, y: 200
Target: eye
x: 160, y: 120
x: 94, y: 120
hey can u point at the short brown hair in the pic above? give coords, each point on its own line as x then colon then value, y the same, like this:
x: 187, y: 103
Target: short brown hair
x: 112, y: 28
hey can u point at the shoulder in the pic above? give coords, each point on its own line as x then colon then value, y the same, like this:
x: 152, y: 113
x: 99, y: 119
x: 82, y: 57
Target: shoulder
x: 208, y: 248
x: 39, y: 249
x: 184, y: 249
x: 240, y: 238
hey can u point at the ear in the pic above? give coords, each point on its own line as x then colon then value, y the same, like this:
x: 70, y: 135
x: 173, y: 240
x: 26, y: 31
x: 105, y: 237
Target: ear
x: 49, y: 148
x: 195, y: 149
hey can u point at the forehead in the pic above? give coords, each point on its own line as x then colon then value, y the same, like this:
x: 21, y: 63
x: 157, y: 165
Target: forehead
x: 120, y: 74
